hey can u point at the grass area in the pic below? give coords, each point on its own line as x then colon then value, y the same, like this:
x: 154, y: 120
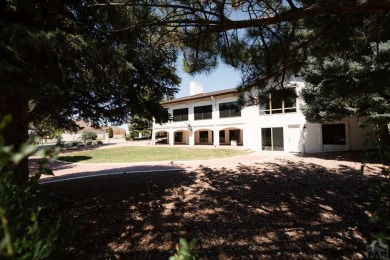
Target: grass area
x: 148, y: 154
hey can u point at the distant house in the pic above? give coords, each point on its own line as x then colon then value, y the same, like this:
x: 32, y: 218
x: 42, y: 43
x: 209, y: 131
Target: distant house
x: 117, y: 132
x: 217, y: 119
x: 102, y: 133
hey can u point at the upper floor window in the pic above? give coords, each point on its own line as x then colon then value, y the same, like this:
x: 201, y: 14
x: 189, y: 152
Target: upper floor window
x: 229, y: 109
x: 203, y: 112
x: 280, y: 101
x: 180, y: 115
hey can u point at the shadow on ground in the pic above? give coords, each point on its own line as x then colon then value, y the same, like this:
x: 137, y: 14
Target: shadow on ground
x: 285, y: 210
x: 368, y: 156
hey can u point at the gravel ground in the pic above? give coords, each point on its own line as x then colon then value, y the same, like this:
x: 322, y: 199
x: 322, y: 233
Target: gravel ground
x: 311, y: 207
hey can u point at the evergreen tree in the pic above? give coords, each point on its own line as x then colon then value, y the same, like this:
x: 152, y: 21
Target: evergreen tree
x: 67, y: 61
x: 110, y: 132
x: 338, y: 46
x: 351, y: 81
x: 138, y: 125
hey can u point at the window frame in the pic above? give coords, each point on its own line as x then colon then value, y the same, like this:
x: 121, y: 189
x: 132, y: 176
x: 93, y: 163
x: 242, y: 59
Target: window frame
x: 202, y: 113
x: 228, y: 112
x: 182, y: 116
x: 266, y: 108
x: 337, y: 136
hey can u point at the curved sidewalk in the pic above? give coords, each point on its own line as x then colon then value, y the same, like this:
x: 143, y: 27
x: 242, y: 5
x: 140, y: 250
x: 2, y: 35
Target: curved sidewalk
x: 68, y: 171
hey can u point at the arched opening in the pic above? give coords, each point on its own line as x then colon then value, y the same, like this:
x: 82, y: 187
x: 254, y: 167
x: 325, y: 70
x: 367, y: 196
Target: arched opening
x: 231, y: 136
x: 181, y: 137
x: 204, y: 137
x: 162, y: 137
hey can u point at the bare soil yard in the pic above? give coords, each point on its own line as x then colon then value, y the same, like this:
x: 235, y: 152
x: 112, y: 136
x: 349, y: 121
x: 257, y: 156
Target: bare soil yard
x: 303, y: 208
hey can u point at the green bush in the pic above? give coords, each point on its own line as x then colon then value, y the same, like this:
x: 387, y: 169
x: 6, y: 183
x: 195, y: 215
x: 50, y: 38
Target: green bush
x: 110, y: 132
x: 22, y: 233
x: 380, y: 204
x: 185, y: 250
x: 87, y: 135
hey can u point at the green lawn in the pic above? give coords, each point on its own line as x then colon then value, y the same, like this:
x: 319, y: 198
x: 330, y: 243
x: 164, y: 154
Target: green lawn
x: 148, y: 154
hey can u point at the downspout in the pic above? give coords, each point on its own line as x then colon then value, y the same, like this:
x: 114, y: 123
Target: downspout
x: 216, y: 135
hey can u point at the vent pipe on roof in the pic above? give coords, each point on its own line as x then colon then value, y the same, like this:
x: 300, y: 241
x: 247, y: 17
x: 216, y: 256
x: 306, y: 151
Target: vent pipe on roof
x: 195, y: 88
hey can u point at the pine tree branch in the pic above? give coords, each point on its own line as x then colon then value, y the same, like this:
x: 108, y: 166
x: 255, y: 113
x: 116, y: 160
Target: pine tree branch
x: 294, y: 14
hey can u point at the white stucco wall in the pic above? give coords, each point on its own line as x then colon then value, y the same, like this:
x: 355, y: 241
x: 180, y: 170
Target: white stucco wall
x: 298, y: 134
x: 356, y: 137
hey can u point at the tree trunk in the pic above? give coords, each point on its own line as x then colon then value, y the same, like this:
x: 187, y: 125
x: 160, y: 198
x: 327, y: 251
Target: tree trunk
x: 15, y: 103
x: 385, y: 136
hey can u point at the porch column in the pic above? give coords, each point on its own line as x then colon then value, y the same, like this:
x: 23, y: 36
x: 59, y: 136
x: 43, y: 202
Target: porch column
x: 216, y: 136
x: 171, y: 137
x: 191, y: 136
x: 153, y: 136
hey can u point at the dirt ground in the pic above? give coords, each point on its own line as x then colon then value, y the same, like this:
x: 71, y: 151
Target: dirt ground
x: 312, y: 207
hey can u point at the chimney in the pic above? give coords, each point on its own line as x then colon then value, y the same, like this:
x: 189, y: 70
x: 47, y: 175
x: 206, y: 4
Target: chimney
x: 195, y: 88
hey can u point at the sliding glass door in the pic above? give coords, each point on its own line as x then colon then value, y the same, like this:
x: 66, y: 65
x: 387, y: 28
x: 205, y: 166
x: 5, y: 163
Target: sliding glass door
x: 272, y: 139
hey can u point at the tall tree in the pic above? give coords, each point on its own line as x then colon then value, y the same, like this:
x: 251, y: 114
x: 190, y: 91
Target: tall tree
x: 352, y: 81
x: 269, y: 41
x: 64, y: 60
x: 138, y: 125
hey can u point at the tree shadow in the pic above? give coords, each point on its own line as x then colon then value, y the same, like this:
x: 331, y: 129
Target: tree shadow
x: 286, y: 210
x: 114, y: 170
x: 74, y: 158
x: 368, y: 156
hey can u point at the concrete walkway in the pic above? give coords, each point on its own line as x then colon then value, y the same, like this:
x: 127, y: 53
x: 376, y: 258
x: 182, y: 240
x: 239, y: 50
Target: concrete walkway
x: 67, y: 171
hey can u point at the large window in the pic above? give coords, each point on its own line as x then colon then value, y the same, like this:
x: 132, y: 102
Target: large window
x: 230, y: 109
x: 333, y: 134
x: 203, y: 112
x: 280, y: 101
x: 180, y: 115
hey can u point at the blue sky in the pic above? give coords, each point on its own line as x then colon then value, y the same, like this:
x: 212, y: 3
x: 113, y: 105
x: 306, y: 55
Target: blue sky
x: 221, y: 78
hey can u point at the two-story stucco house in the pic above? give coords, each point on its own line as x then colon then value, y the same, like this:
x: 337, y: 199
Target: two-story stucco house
x: 217, y: 119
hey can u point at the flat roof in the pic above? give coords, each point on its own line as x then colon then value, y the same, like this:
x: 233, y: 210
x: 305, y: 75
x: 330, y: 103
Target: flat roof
x: 202, y: 95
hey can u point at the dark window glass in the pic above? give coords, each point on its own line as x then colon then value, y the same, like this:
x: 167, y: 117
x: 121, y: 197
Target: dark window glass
x: 276, y: 102
x: 180, y: 115
x: 203, y: 136
x: 234, y: 135
x: 281, y: 101
x: 333, y: 134
x: 264, y: 108
x: 230, y: 109
x: 222, y: 136
x: 203, y: 112
x: 266, y: 139
x: 178, y: 137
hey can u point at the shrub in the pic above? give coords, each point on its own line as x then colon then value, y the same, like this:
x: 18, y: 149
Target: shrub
x: 22, y: 235
x: 87, y: 135
x: 110, y: 132
x: 99, y: 142
x: 185, y: 250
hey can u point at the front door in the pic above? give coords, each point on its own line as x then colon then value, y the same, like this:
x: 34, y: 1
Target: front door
x: 293, y: 138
